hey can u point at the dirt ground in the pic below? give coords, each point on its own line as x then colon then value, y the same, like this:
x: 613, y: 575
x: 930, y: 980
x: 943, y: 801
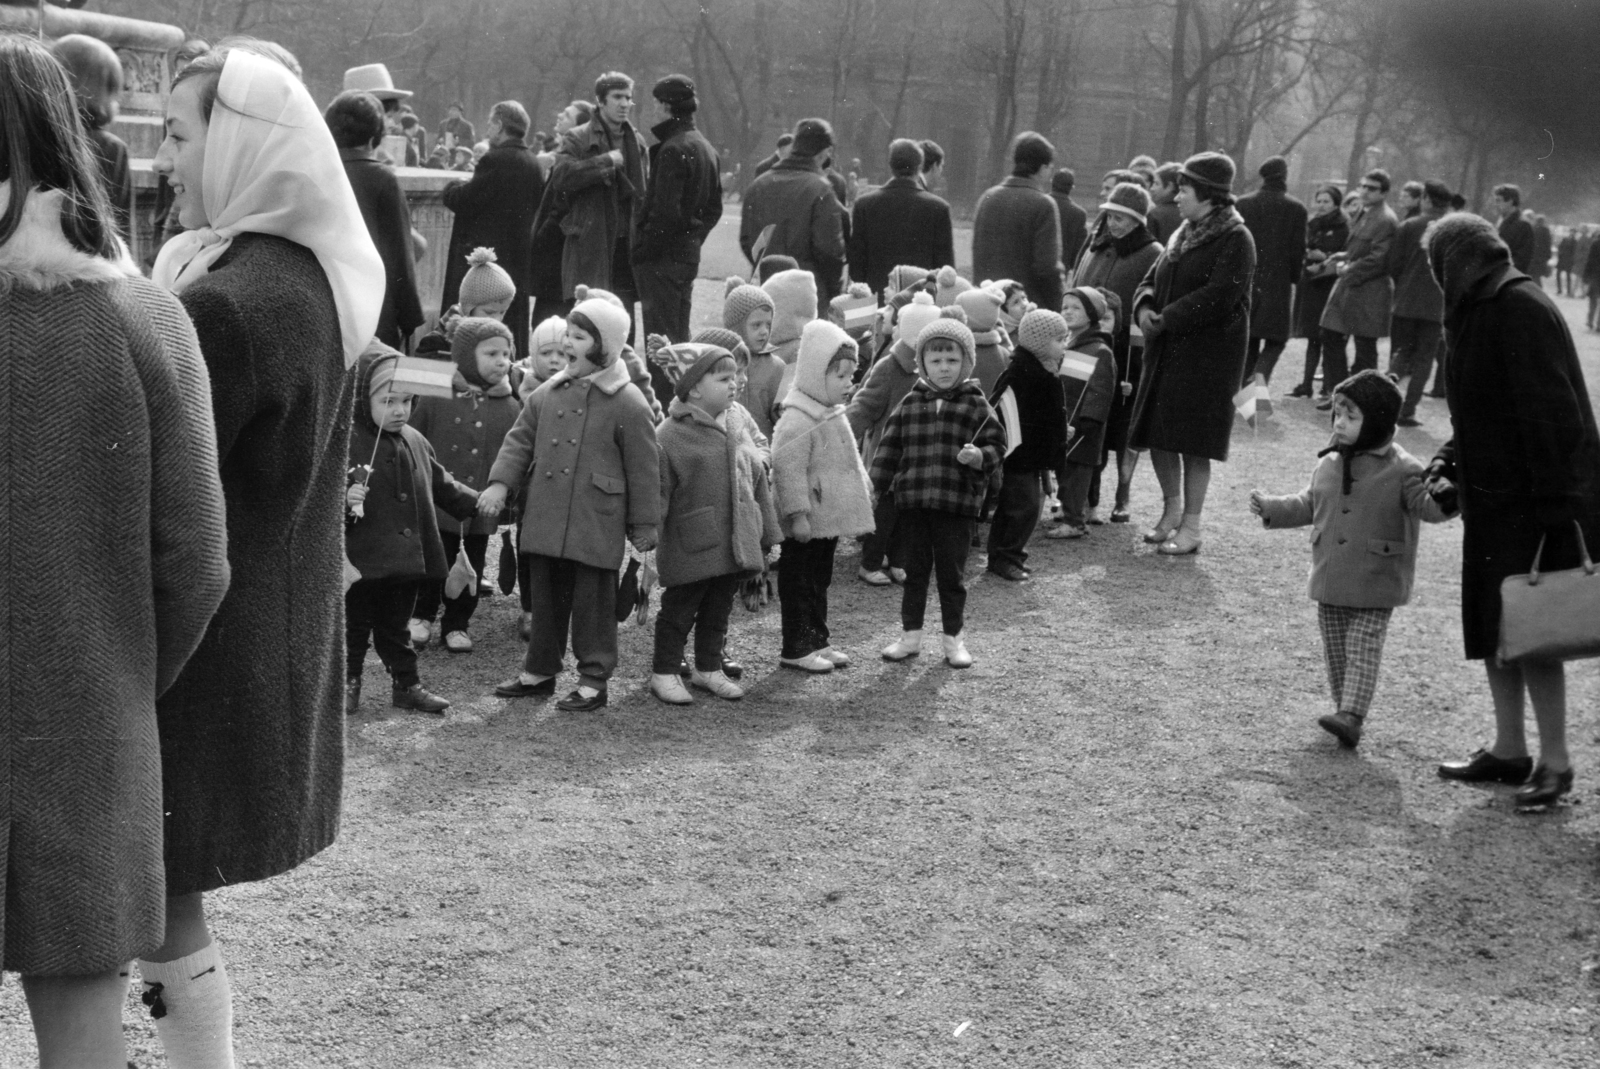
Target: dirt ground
x: 1118, y: 841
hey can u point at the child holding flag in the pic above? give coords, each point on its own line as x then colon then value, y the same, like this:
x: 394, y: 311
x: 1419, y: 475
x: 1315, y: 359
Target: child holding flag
x: 1034, y: 382
x: 1089, y: 372
x: 940, y: 457
x: 1366, y: 502
x: 391, y: 530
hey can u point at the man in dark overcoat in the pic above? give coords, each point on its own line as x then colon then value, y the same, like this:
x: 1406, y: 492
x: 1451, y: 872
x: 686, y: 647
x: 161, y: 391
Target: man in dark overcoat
x: 1515, y: 230
x: 681, y: 207
x: 1016, y: 232
x: 899, y: 223
x: 1277, y: 222
x: 1416, y: 328
x: 792, y: 210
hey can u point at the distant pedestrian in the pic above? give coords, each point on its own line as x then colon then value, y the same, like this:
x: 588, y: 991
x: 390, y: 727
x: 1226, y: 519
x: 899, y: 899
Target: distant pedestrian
x: 1417, y: 325
x: 1540, y: 265
x: 1515, y: 230
x: 456, y: 131
x: 96, y: 74
x: 792, y: 210
x: 1016, y: 231
x: 1566, y: 260
x: 1359, y: 305
x: 899, y: 223
x: 1074, y: 220
x: 1164, y: 216
x: 1327, y: 233
x: 1277, y: 222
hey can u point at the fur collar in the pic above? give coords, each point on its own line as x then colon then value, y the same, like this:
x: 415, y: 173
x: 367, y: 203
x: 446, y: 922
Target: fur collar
x: 39, y: 256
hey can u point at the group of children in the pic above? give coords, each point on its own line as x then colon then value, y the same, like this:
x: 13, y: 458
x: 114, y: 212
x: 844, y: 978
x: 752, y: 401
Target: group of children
x: 779, y: 433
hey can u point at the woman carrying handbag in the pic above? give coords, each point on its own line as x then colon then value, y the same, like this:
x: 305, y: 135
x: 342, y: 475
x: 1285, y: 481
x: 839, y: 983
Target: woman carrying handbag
x: 1525, y: 464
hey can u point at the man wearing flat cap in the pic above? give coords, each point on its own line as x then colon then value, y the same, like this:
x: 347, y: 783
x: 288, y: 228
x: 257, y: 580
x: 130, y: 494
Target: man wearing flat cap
x: 683, y: 203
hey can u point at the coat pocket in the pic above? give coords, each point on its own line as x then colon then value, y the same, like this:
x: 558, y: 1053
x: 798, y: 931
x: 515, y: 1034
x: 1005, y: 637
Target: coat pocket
x: 1385, y: 547
x: 612, y: 491
x: 699, y: 529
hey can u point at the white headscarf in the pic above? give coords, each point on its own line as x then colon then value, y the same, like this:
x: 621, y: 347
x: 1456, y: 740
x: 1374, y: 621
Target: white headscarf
x: 271, y: 167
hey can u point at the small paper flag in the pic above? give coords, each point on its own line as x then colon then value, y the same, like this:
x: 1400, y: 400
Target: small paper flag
x: 1011, y: 420
x: 1076, y: 365
x: 424, y: 377
x: 1136, y: 337
x: 859, y: 312
x: 1244, y: 402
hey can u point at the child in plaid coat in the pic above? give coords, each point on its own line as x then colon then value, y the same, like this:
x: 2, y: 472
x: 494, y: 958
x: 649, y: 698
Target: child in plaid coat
x: 940, y: 456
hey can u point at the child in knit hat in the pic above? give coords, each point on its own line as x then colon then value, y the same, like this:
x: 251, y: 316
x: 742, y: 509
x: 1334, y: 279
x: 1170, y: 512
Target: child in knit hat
x: 982, y: 307
x: 392, y: 530
x: 583, y: 453
x: 1092, y: 321
x: 1033, y: 377
x: 748, y: 310
x: 881, y: 392
x: 546, y: 355
x: 1366, y: 500
x: 486, y: 293
x: 861, y: 334
x: 1013, y: 306
x: 940, y: 456
x: 466, y: 431
x: 640, y: 372
x: 738, y: 414
x: 821, y: 491
x: 717, y: 522
x: 794, y: 304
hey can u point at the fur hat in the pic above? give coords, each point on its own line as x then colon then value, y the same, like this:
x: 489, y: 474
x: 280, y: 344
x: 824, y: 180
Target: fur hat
x: 914, y: 316
x: 739, y: 300
x: 950, y: 284
x: 727, y: 339
x: 1462, y: 248
x: 1039, y: 327
x: 951, y: 330
x: 464, y: 345
x: 905, y: 276
x: 1212, y: 169
x: 689, y: 363
x: 1129, y: 199
x: 551, y: 330
x: 794, y: 303
x: 812, y: 137
x: 485, y: 281
x: 982, y: 307
x: 1274, y: 169
x: 611, y: 322
x: 820, y: 341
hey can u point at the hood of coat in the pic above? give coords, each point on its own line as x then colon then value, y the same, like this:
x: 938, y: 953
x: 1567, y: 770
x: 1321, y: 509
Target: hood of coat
x: 1462, y: 249
x: 794, y: 303
x: 820, y: 341
x: 376, y: 355
x: 38, y: 255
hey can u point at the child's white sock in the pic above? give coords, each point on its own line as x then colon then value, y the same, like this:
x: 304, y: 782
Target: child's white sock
x: 197, y: 1028
x: 586, y: 691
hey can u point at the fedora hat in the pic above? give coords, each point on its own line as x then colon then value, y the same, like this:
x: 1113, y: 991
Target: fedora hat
x: 374, y: 78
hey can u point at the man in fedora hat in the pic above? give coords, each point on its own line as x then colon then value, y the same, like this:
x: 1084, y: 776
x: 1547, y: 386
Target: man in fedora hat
x: 374, y: 78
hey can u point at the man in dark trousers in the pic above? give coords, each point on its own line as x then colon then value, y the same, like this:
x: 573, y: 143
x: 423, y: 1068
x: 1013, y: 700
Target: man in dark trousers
x: 899, y: 223
x: 495, y: 208
x: 1515, y: 230
x: 682, y: 205
x: 1074, y: 220
x: 1277, y: 222
x: 792, y: 211
x: 1416, y: 328
x: 1016, y: 232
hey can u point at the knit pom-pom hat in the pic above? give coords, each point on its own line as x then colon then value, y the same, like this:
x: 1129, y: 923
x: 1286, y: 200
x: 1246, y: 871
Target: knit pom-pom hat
x: 581, y: 293
x: 551, y: 331
x: 485, y: 281
x: 727, y: 339
x: 740, y: 299
x: 819, y: 343
x: 610, y: 322
x: 914, y: 316
x: 464, y: 343
x: 794, y: 303
x: 1039, y: 328
x: 982, y: 307
x: 952, y: 330
x: 905, y: 276
x: 950, y: 286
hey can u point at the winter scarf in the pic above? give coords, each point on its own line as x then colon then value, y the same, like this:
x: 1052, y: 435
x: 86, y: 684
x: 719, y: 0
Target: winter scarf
x: 1218, y: 222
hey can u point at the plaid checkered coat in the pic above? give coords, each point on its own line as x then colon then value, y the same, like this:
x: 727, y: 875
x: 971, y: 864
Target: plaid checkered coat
x: 916, y: 458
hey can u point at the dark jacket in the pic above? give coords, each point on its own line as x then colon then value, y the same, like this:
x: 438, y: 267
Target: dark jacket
x: 1525, y: 456
x: 1567, y: 252
x: 1591, y: 265
x: 252, y: 733
x: 388, y: 219
x: 1416, y: 294
x: 1119, y: 265
x: 496, y: 209
x: 1326, y: 234
x: 595, y: 203
x: 1164, y: 221
x: 1517, y: 233
x: 807, y: 220
x: 1539, y: 267
x: 1016, y: 233
x: 1277, y: 223
x: 916, y: 460
x: 898, y: 223
x: 1193, y: 367
x: 1089, y: 403
x: 1360, y: 300
x: 684, y: 200
x: 1074, y: 226
x: 1041, y: 413
x: 465, y: 432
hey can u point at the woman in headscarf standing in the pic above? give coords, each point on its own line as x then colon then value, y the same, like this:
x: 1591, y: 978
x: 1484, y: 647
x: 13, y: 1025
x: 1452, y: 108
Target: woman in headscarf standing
x: 1194, y: 310
x: 276, y: 268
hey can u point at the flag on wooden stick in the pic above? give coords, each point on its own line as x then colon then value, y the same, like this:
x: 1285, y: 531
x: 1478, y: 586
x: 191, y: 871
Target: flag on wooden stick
x: 1244, y: 403
x: 1076, y: 365
x: 424, y: 377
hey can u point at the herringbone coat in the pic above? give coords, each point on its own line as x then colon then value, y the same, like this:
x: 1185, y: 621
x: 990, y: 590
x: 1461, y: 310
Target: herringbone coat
x: 111, y: 515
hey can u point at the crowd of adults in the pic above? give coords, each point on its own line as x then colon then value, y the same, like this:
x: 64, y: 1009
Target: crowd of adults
x: 175, y: 718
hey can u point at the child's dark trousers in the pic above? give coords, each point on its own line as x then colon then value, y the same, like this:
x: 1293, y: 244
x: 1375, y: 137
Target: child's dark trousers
x: 565, y: 593
x: 936, y: 544
x: 1015, y: 516
x: 379, y: 608
x: 459, y: 609
x: 704, y: 606
x: 805, y: 571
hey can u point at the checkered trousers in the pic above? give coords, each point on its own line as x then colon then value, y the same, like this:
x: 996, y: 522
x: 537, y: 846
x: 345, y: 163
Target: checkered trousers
x: 1352, y: 642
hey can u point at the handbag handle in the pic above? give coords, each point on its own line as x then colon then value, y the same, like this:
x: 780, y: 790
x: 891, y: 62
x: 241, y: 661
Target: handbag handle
x: 1583, y: 551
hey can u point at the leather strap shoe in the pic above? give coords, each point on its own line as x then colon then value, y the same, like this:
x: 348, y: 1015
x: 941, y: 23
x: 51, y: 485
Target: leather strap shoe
x: 1543, y: 788
x: 577, y: 703
x: 1481, y: 766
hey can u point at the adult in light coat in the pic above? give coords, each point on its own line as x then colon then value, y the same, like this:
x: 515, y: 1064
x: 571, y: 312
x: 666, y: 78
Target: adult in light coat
x: 1360, y: 302
x: 1277, y: 223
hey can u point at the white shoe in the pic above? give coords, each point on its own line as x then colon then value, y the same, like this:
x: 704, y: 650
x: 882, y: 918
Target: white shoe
x: 458, y: 642
x: 670, y: 689
x: 955, y: 652
x: 840, y: 660
x: 716, y: 683
x: 1065, y: 530
x: 909, y: 644
x: 811, y: 662
x: 877, y: 577
x: 421, y: 631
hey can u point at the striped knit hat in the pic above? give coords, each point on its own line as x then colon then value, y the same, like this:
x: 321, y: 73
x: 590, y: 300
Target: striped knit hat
x: 726, y: 339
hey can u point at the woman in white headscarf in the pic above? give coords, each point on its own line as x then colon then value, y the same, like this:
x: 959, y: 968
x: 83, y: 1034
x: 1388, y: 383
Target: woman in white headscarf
x: 284, y: 286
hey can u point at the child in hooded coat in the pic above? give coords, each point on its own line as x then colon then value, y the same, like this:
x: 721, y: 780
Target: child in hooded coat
x: 639, y: 371
x: 821, y: 493
x: 748, y: 311
x: 993, y: 351
x: 583, y: 453
x: 1366, y: 502
x: 1093, y: 325
x: 794, y: 304
x: 940, y: 457
x: 466, y: 431
x: 1034, y: 381
x: 740, y: 421
x: 395, y: 485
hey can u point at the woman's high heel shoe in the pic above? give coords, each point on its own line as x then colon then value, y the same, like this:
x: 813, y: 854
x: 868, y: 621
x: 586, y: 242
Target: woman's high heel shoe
x: 1184, y: 541
x: 1544, y: 787
x: 1171, y: 517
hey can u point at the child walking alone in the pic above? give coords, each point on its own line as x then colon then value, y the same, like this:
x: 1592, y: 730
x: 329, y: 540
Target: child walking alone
x: 1365, y: 503
x: 940, y: 457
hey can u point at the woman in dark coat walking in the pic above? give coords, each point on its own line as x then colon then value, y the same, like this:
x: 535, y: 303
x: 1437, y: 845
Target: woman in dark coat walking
x: 1525, y: 463
x: 1327, y: 232
x: 284, y: 285
x: 1194, y: 310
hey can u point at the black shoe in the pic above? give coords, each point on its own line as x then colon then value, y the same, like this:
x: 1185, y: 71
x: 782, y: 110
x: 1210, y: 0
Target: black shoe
x: 577, y: 703
x: 352, y: 695
x: 1300, y: 391
x: 1010, y: 572
x: 414, y: 697
x: 1408, y: 421
x: 516, y: 688
x: 1481, y: 766
x: 1346, y: 727
x: 1543, y: 788
x: 1119, y: 514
